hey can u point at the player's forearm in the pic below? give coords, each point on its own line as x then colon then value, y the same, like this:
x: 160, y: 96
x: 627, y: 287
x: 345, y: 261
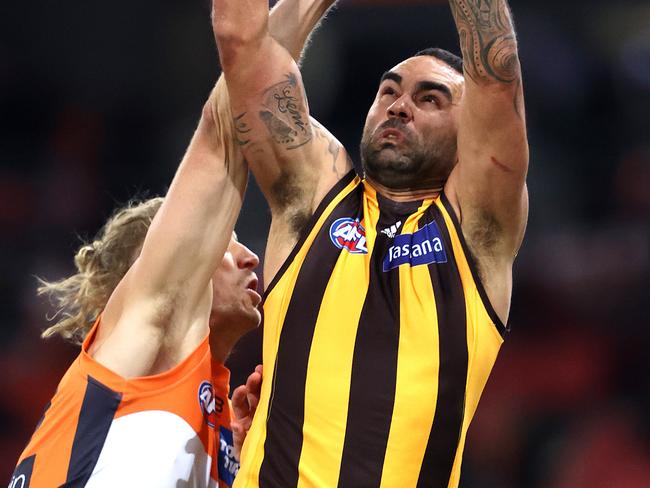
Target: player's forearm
x: 239, y: 28
x: 487, y: 40
x: 291, y: 23
x: 192, y: 230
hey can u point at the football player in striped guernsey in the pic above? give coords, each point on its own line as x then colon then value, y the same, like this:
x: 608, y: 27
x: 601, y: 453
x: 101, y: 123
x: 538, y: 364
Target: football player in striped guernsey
x: 388, y: 292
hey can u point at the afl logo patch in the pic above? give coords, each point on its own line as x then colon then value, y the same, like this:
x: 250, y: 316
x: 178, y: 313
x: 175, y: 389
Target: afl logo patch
x: 349, y: 234
x: 207, y: 403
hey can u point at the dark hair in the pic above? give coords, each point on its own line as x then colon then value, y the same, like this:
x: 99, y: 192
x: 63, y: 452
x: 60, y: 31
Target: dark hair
x: 445, y: 56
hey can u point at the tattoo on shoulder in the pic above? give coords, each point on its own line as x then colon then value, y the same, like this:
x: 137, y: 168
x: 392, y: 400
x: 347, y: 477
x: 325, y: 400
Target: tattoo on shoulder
x: 285, y: 114
x: 487, y: 39
x: 241, y: 129
x: 333, y: 147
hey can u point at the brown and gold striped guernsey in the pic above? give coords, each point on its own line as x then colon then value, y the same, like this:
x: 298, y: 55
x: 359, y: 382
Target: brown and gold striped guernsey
x: 378, y: 341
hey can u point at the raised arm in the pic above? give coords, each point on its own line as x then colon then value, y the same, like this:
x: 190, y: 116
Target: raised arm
x: 167, y: 290
x: 295, y: 161
x: 489, y: 181
x: 292, y: 22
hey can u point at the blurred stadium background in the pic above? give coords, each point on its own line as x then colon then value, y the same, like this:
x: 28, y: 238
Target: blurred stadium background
x: 99, y: 100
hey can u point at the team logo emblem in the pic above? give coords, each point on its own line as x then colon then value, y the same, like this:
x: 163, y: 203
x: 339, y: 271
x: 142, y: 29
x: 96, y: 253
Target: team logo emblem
x: 391, y: 231
x: 349, y: 234
x: 207, y: 402
x: 422, y: 247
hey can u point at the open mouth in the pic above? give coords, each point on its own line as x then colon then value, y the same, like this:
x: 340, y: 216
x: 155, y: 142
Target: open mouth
x: 391, y: 135
x: 251, y: 289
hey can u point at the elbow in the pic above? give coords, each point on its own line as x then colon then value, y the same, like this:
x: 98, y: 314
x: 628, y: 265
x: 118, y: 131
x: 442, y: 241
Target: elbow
x: 236, y: 46
x: 235, y: 30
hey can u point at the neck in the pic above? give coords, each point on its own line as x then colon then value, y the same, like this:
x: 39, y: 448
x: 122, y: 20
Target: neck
x: 405, y: 194
x: 221, y: 343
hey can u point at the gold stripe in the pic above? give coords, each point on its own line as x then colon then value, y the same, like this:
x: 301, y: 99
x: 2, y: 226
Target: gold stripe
x: 417, y: 373
x: 330, y: 362
x: 483, y: 341
x: 275, y: 309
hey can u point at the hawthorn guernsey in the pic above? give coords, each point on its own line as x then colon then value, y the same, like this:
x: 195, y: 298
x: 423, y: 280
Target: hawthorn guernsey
x: 354, y: 315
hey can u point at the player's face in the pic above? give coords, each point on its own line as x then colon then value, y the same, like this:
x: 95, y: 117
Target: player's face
x: 235, y: 298
x: 409, y: 140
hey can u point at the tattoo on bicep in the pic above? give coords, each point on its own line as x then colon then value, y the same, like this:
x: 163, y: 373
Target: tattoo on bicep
x: 285, y: 113
x: 241, y: 128
x: 487, y: 40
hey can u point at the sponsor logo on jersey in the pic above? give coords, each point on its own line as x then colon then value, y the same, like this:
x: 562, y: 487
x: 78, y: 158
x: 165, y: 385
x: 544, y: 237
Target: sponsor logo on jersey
x: 349, y: 234
x: 423, y: 247
x: 228, y: 464
x: 392, y: 230
x: 208, y: 403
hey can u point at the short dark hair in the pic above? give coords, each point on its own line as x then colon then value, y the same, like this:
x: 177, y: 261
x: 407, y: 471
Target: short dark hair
x: 445, y: 56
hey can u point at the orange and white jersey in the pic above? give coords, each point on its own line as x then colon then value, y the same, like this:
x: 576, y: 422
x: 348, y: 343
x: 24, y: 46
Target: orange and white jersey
x: 101, y: 430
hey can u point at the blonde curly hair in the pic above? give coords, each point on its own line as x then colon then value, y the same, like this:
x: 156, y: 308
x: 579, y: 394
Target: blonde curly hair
x: 101, y: 264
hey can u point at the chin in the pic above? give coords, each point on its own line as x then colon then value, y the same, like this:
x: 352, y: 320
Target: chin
x: 242, y: 319
x: 248, y: 319
x: 256, y: 318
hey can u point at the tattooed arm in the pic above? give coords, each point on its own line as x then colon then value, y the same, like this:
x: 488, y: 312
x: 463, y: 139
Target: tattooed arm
x: 489, y: 181
x: 295, y: 161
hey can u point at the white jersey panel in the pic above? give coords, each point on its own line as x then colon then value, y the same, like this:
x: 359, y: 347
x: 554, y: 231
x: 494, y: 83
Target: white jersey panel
x: 142, y: 449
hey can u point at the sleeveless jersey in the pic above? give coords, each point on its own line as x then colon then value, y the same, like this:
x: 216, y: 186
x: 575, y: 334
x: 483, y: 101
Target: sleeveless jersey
x: 378, y: 341
x: 166, y: 430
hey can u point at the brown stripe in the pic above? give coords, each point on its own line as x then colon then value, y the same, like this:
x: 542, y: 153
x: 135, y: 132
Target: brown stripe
x: 452, y: 376
x: 474, y: 269
x: 374, y: 369
x: 287, y: 408
x: 336, y: 189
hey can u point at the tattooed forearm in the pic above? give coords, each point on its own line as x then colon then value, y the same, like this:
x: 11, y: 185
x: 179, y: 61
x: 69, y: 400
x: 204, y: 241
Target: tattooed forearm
x: 487, y: 39
x: 241, y: 128
x: 285, y: 114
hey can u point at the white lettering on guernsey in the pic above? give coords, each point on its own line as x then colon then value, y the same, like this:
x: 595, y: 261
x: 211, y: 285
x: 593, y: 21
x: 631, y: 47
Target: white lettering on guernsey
x: 18, y: 482
x: 422, y: 247
x: 228, y: 464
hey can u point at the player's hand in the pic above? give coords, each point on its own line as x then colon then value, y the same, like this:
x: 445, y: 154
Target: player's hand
x: 244, y: 403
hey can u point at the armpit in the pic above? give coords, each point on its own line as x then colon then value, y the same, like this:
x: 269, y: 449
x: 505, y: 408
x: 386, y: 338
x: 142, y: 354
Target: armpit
x: 483, y: 234
x: 291, y: 201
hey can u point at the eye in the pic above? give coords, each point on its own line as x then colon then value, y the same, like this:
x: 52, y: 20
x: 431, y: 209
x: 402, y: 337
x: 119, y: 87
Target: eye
x: 388, y: 91
x: 430, y: 99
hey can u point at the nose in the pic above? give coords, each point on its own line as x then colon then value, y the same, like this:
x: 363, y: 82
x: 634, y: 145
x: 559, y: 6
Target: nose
x: 246, y: 259
x: 401, y: 109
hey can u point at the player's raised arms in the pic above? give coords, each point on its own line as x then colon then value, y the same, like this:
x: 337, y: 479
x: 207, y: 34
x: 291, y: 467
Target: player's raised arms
x: 164, y: 301
x: 488, y: 185
x: 294, y: 159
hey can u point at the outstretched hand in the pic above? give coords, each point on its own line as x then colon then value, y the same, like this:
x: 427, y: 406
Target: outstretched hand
x: 244, y: 403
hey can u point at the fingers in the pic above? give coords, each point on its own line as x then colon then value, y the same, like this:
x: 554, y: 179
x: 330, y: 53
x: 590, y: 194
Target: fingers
x: 254, y: 387
x: 240, y: 405
x: 238, y: 437
x: 245, y: 398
